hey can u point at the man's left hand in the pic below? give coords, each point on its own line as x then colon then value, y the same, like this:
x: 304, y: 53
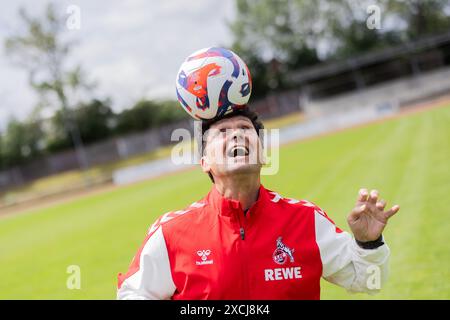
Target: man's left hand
x: 368, y: 218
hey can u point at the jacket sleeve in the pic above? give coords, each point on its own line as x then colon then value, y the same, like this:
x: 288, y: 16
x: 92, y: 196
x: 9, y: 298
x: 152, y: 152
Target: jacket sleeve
x: 345, y: 263
x: 149, y: 276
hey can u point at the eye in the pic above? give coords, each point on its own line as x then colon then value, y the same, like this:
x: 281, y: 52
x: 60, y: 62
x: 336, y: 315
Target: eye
x: 220, y: 132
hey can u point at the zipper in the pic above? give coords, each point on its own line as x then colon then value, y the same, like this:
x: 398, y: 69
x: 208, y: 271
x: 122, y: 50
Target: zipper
x: 242, y: 232
x: 241, y: 224
x: 243, y: 252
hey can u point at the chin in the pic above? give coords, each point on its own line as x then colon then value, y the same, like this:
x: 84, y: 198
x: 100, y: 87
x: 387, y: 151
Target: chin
x: 236, y: 168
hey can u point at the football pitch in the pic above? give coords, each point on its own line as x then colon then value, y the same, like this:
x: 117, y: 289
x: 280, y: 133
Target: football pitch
x: 407, y: 159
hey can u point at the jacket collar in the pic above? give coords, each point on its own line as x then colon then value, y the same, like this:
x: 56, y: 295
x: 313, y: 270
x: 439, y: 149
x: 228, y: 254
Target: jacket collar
x: 227, y: 207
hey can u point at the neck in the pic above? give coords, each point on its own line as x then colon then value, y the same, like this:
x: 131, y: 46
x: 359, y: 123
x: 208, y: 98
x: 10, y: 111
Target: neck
x: 243, y: 188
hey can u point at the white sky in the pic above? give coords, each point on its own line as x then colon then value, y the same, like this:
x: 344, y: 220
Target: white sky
x: 132, y: 49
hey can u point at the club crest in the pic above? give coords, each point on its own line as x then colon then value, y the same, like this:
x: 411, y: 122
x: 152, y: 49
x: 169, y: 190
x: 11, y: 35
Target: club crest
x: 282, y: 253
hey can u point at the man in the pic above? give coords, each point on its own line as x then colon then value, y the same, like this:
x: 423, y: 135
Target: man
x: 243, y: 241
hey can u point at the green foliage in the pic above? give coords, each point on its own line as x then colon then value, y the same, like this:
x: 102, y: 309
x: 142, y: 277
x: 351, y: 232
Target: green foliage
x: 25, y: 141
x: 138, y: 118
x: 42, y: 50
x: 146, y: 114
x: 270, y: 38
x: 2, y: 153
x: 170, y: 111
x: 21, y: 142
x: 277, y: 36
x: 94, y: 121
x: 422, y: 17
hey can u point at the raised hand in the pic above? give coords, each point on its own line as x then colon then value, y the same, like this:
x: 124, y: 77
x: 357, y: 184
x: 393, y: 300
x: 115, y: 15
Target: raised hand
x: 368, y: 219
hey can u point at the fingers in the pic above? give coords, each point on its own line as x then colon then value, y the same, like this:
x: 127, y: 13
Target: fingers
x: 357, y: 211
x: 392, y: 211
x: 365, y: 196
x: 381, y: 204
x: 367, y: 201
x: 363, y: 193
x: 373, y: 197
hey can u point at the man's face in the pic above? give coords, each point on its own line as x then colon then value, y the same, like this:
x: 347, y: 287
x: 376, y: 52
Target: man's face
x: 232, y: 146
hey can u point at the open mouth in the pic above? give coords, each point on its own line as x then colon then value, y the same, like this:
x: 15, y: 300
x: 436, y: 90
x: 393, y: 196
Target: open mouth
x: 238, y: 151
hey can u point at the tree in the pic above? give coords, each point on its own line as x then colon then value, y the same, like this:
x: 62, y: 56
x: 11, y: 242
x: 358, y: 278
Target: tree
x: 169, y: 111
x: 95, y: 123
x: 96, y: 120
x: 270, y: 38
x: 42, y: 51
x: 276, y: 36
x: 21, y: 142
x: 2, y: 153
x: 140, y: 117
x: 146, y: 114
x: 422, y: 17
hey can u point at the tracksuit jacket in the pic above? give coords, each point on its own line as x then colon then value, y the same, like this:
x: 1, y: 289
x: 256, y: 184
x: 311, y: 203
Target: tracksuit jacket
x: 278, y: 249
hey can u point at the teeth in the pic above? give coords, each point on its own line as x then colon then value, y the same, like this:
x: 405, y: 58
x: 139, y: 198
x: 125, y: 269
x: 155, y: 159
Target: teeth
x: 238, y: 151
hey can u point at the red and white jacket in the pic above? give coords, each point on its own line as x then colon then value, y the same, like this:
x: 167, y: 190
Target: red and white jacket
x: 278, y: 249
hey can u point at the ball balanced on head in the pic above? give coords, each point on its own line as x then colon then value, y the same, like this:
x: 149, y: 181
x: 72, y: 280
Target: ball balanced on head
x: 212, y: 82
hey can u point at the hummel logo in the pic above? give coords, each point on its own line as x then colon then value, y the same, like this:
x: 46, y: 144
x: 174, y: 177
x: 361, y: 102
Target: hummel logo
x: 204, y: 255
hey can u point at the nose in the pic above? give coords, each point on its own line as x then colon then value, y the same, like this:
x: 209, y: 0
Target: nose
x: 237, y: 135
x: 237, y: 132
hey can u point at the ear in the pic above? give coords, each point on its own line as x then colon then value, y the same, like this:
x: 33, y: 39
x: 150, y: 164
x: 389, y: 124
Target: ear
x: 263, y: 158
x: 262, y: 154
x: 205, y: 164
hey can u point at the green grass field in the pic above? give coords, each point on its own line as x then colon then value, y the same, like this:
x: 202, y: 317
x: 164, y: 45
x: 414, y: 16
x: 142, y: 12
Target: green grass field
x: 407, y: 159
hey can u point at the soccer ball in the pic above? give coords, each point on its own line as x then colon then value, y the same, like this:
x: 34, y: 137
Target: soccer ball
x: 212, y: 82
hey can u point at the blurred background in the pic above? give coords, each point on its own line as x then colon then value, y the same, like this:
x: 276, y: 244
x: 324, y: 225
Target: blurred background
x: 360, y: 91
